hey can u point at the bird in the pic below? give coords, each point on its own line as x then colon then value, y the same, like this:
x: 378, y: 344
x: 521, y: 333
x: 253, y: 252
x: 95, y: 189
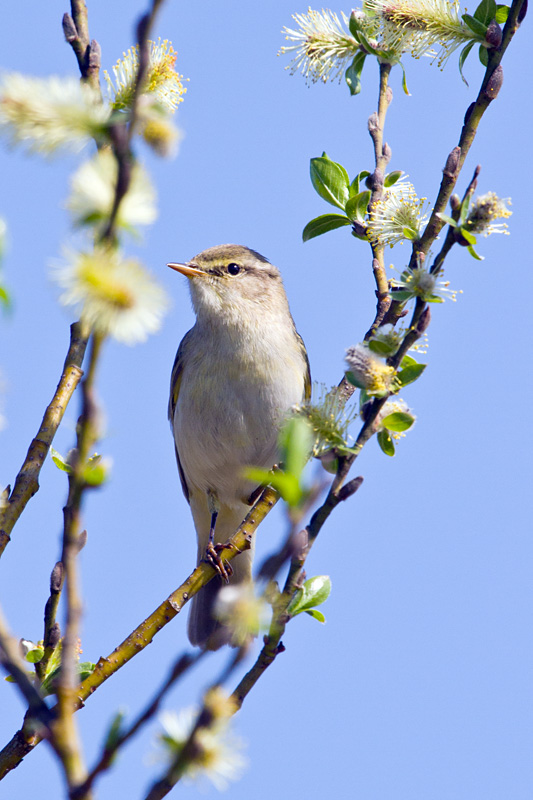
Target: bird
x: 236, y: 375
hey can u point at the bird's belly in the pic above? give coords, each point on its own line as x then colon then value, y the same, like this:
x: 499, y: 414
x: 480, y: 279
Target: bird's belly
x: 232, y: 422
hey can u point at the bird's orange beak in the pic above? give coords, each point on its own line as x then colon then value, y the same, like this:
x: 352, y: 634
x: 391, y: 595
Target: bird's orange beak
x: 188, y: 270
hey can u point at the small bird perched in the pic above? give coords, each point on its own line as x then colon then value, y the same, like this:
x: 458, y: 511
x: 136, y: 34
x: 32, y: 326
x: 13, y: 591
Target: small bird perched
x: 236, y: 375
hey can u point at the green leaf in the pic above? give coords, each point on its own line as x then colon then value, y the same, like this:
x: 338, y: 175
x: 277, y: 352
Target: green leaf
x: 352, y: 76
x: 483, y: 55
x: 408, y: 361
x: 448, y: 220
x: 60, y: 462
x: 381, y: 348
x: 468, y: 236
x: 434, y: 298
x: 318, y: 615
x: 465, y: 52
x: 475, y: 26
x: 502, y: 12
x: 411, y: 373
x: 330, y: 180
x: 386, y: 443
x: 323, y: 224
x: 486, y: 11
x: 351, y: 378
x: 410, y: 234
x: 85, y: 669
x: 354, y: 186
x: 398, y: 421
x: 357, y: 206
x: 392, y: 178
x: 474, y: 254
x: 35, y: 654
x: 404, y: 80
x: 314, y: 592
x: 295, y: 441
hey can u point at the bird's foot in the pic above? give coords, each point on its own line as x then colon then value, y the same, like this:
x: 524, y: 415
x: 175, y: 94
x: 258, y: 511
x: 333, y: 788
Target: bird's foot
x: 212, y: 556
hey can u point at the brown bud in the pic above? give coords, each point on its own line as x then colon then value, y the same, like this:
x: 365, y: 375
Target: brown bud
x: 423, y: 322
x: 468, y: 112
x: 452, y: 163
x: 94, y: 56
x: 522, y: 13
x: 56, y: 578
x: 54, y: 635
x: 387, y: 152
x: 455, y: 202
x: 69, y: 29
x: 493, y: 37
x: 358, y: 229
x: 389, y: 95
x: 495, y: 83
x: 373, y: 123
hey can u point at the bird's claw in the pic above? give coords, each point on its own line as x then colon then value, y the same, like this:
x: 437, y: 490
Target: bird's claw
x: 212, y: 556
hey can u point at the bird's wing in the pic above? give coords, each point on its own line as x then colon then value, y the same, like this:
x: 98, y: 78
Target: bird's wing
x: 175, y: 381
x: 307, y: 379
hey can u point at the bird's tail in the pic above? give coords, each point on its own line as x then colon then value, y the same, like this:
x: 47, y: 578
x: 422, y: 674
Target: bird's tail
x: 203, y: 626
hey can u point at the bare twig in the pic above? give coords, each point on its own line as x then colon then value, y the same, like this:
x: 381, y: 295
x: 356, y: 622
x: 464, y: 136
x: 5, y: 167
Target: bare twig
x: 27, y: 481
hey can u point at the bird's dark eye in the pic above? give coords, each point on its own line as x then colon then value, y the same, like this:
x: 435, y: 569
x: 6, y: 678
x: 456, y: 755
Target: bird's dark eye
x: 234, y: 269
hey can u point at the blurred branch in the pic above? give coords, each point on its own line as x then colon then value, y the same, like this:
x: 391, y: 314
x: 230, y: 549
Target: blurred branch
x: 180, y: 667
x: 27, y: 481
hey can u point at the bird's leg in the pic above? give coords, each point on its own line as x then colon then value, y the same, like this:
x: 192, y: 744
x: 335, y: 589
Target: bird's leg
x: 212, y: 550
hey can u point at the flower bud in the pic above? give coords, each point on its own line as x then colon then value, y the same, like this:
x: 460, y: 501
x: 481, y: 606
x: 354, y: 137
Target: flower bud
x: 493, y: 37
x: 495, y: 83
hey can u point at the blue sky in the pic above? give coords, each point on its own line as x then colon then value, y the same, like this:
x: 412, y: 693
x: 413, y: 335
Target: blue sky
x: 419, y: 685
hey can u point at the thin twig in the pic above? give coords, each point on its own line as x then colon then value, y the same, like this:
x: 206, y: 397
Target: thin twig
x: 180, y: 667
x: 27, y: 480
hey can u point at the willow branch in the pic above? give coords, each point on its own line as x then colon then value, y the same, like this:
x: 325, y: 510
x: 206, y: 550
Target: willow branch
x: 27, y: 480
x: 488, y: 92
x: 25, y: 740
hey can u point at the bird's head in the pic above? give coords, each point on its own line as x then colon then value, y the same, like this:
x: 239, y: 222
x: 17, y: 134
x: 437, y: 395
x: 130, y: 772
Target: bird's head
x: 230, y: 281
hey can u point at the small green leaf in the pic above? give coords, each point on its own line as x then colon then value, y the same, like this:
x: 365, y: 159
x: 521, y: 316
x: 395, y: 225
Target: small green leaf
x: 85, y: 669
x: 351, y: 378
x: 411, y: 373
x: 60, y: 462
x: 95, y: 472
x: 483, y: 55
x: 386, y: 443
x: 448, y: 220
x: 502, y: 12
x: 381, y: 348
x: 314, y: 592
x: 392, y: 178
x: 352, y: 76
x: 35, y: 654
x: 357, y: 206
x: 410, y: 234
x: 404, y: 80
x: 354, y: 186
x: 468, y: 236
x: 398, y: 421
x: 474, y: 254
x: 318, y: 615
x: 475, y: 26
x: 323, y: 224
x: 465, y: 52
x: 330, y: 180
x: 408, y: 361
